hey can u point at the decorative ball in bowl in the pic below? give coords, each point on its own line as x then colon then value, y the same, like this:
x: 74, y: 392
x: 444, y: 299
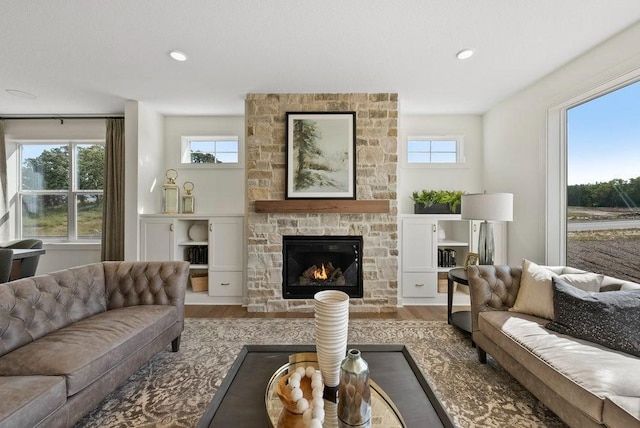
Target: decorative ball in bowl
x: 285, y: 393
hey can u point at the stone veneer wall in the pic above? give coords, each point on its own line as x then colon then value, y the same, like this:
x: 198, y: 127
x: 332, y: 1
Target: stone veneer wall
x: 376, y: 178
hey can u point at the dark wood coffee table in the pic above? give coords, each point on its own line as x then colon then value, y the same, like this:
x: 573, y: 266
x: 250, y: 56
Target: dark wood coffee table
x: 240, y: 400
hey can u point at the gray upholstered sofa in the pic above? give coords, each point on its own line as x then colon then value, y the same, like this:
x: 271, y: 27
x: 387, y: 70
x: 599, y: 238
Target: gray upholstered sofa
x: 69, y: 338
x: 584, y: 383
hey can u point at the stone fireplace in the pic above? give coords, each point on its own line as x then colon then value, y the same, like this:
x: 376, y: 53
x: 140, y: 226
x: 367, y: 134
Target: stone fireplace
x: 316, y: 263
x: 376, y: 180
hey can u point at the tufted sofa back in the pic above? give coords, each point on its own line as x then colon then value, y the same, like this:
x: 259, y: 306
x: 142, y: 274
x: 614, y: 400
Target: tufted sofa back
x: 33, y: 307
x: 146, y: 283
x: 495, y: 287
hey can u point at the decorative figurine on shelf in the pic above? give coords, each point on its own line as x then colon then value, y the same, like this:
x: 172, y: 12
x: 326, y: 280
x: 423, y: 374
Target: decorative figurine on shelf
x: 188, y: 200
x: 171, y: 193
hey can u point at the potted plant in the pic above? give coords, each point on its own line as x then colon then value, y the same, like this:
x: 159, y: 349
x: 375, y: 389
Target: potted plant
x: 437, y: 201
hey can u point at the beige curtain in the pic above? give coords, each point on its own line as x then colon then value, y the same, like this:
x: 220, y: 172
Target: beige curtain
x: 5, y: 226
x: 113, y: 206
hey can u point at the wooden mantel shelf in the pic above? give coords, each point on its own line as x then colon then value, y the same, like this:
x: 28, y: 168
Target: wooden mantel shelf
x: 305, y: 206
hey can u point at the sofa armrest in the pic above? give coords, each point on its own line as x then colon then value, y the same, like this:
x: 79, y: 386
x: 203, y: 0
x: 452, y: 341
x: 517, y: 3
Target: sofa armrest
x: 146, y: 283
x: 492, y: 288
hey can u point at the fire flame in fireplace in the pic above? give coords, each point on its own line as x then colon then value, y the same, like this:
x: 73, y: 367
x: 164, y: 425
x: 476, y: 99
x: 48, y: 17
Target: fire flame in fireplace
x: 320, y: 273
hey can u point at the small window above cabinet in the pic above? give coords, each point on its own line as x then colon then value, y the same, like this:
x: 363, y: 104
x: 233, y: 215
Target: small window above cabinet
x: 221, y: 151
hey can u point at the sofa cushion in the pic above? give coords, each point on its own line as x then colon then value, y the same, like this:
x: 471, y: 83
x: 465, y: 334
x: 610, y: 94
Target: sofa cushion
x: 87, y: 349
x: 621, y: 412
x: 26, y: 400
x: 580, y: 371
x: 535, y: 296
x: 608, y: 318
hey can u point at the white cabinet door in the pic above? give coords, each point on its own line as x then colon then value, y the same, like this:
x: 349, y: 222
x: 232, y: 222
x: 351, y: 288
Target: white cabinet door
x: 226, y: 257
x: 419, y: 284
x: 419, y: 240
x: 225, y: 284
x: 226, y: 244
x: 157, y: 239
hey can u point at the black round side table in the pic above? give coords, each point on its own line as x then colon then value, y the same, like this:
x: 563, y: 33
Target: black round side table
x: 461, y: 319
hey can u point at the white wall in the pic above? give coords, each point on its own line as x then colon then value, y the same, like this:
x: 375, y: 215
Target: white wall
x: 153, y: 142
x: 59, y: 255
x: 151, y: 160
x: 515, y: 139
x: 144, y: 169
x: 217, y: 190
x: 467, y: 177
x: 131, y: 227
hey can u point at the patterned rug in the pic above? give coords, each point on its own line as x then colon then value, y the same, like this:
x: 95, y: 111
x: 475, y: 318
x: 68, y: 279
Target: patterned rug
x: 175, y: 389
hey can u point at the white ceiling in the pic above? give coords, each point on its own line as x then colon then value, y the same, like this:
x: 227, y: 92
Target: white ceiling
x: 90, y: 56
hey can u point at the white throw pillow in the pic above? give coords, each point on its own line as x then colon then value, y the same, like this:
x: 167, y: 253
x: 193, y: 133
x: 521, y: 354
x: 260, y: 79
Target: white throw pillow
x: 535, y: 296
x: 587, y: 281
x: 629, y: 286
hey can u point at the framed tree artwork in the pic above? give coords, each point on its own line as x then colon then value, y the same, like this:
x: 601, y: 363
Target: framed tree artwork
x: 321, y: 158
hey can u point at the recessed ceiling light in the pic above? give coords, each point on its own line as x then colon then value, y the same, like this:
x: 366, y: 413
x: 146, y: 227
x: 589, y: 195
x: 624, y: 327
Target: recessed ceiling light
x: 20, y: 94
x: 464, y: 54
x: 178, y: 56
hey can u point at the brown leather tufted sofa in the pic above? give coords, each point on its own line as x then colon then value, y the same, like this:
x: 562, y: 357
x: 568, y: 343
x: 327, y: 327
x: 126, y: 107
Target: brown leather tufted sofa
x: 69, y: 338
x: 585, y: 384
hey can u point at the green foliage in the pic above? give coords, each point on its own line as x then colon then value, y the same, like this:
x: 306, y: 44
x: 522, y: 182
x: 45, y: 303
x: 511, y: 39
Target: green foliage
x: 90, y: 162
x: 202, y: 157
x: 48, y: 171
x: 614, y: 193
x: 426, y: 198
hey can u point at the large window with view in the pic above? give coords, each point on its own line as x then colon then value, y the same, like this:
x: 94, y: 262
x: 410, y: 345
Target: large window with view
x: 60, y: 190
x: 603, y: 184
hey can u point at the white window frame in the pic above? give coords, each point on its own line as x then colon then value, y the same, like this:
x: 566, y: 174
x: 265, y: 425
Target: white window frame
x: 556, y: 171
x: 71, y: 192
x: 459, y: 139
x: 185, y: 141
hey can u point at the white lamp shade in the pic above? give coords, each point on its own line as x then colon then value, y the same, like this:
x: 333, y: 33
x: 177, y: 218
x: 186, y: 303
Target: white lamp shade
x: 487, y: 206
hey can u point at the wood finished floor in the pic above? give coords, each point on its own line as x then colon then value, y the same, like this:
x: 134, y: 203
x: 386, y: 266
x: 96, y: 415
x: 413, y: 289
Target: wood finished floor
x: 426, y: 313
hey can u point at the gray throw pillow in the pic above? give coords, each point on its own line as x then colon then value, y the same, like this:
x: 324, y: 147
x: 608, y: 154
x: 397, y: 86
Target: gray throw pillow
x: 610, y: 318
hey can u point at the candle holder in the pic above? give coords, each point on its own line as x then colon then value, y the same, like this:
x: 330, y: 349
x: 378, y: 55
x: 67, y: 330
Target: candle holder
x: 171, y: 193
x: 188, y: 200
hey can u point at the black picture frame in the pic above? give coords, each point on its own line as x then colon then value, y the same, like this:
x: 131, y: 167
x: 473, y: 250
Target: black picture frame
x: 327, y: 167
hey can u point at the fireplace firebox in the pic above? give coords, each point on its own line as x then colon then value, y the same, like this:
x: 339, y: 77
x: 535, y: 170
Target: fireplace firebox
x: 316, y: 263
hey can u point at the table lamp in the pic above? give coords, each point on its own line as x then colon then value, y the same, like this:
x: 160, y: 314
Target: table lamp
x: 487, y: 207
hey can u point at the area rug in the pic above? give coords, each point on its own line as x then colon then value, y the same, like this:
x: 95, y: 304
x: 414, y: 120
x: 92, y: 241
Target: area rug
x: 175, y: 389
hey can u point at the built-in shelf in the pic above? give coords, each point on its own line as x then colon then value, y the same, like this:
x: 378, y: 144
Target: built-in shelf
x: 323, y: 206
x: 450, y: 243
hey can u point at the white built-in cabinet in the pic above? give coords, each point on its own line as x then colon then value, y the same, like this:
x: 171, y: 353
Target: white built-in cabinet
x: 423, y: 237
x: 213, y: 244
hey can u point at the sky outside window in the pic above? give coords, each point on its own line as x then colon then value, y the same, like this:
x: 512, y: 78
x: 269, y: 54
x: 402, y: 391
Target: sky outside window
x: 604, y: 138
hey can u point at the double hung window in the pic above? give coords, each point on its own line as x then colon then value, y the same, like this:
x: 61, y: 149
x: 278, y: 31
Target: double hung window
x: 60, y: 190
